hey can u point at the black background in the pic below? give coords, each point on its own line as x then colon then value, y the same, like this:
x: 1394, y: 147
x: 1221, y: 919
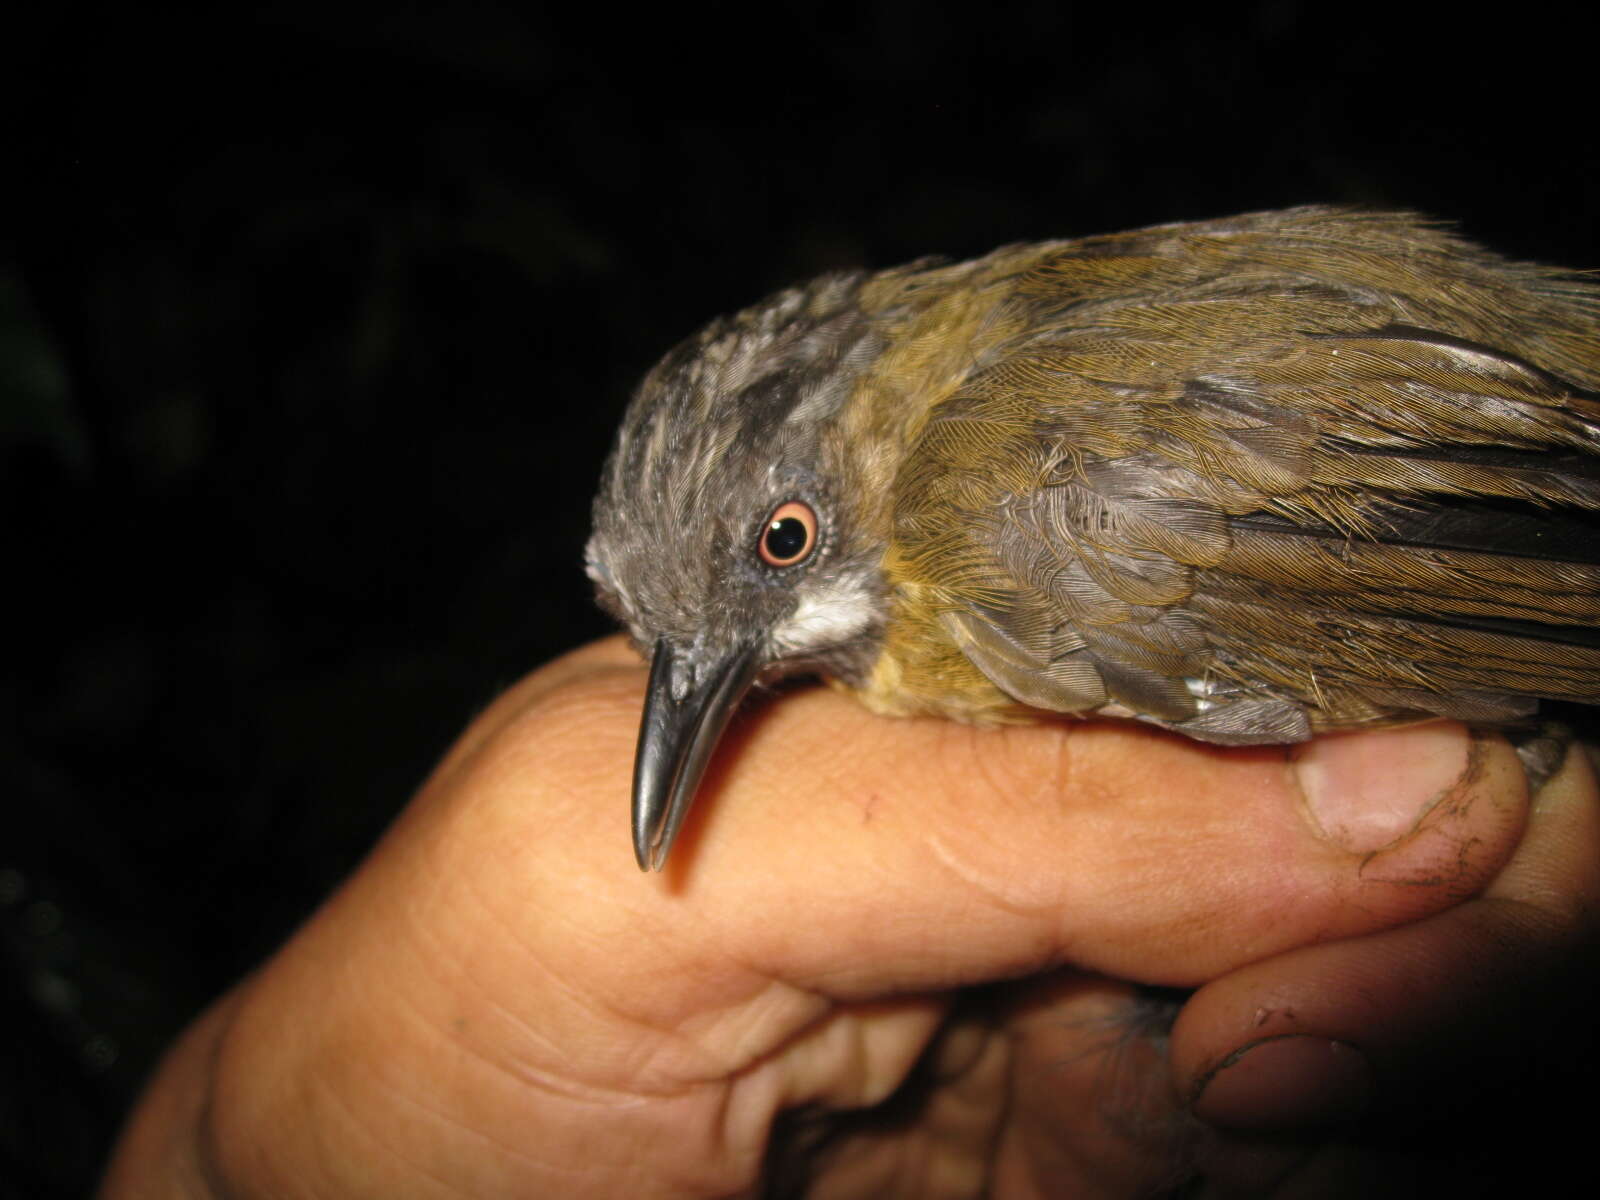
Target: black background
x: 315, y: 320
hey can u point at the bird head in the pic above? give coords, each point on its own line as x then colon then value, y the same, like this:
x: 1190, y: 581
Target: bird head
x: 733, y: 534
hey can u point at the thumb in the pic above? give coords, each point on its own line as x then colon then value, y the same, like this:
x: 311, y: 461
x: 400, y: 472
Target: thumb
x: 1438, y: 1011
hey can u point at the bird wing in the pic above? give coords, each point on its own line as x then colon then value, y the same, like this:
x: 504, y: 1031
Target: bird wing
x: 1330, y: 517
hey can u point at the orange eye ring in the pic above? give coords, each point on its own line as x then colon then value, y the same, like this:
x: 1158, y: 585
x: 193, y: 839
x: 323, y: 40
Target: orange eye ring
x: 789, y: 535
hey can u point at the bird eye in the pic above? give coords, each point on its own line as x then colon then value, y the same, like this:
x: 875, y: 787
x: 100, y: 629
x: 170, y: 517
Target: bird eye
x: 789, y: 536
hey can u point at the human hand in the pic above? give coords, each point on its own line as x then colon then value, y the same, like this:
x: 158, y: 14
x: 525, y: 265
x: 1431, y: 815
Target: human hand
x: 908, y: 942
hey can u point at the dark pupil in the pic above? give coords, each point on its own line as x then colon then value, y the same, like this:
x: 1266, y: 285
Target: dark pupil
x: 786, y: 538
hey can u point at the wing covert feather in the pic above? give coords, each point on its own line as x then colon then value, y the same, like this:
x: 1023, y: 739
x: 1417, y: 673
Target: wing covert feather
x: 1250, y: 520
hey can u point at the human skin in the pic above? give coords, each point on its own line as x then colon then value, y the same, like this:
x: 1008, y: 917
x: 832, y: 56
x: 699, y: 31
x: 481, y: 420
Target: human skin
x: 497, y: 1003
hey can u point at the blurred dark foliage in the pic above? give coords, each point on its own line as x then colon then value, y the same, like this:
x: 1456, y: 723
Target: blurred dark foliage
x: 315, y: 320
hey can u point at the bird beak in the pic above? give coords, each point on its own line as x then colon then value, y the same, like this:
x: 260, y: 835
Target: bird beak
x: 676, y: 738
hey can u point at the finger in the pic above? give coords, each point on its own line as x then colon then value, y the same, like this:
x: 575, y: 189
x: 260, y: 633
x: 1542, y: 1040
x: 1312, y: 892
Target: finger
x: 1325, y: 1032
x: 1132, y: 852
x: 937, y: 1135
x: 499, y: 940
x: 850, y: 856
x: 1092, y: 1111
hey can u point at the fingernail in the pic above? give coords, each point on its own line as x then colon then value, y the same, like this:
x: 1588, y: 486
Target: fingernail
x: 1365, y: 790
x: 1287, y: 1083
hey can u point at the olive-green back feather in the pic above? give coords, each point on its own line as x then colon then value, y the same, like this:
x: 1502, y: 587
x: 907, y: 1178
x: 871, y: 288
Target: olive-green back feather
x: 1254, y: 478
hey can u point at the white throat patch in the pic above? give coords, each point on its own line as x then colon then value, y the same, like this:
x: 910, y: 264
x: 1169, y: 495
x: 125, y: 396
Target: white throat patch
x: 840, y: 613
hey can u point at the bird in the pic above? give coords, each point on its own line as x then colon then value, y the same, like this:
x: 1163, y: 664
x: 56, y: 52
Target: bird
x: 1248, y: 479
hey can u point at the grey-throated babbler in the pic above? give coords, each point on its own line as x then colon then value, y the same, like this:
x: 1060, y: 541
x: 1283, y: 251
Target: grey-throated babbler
x: 1248, y: 479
